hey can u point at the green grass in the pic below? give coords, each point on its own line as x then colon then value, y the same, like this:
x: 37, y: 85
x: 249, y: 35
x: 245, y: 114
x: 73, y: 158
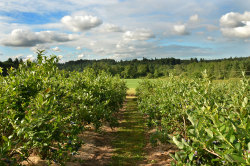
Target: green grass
x: 130, y: 138
x: 132, y: 83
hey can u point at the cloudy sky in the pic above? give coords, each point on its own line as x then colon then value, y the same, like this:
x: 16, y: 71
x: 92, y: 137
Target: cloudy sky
x: 125, y: 29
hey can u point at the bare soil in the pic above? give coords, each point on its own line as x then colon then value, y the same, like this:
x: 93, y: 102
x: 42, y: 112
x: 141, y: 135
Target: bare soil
x: 157, y: 155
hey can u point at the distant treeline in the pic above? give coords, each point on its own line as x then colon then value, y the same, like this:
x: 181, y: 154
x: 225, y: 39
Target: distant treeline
x: 154, y: 68
x: 8, y: 64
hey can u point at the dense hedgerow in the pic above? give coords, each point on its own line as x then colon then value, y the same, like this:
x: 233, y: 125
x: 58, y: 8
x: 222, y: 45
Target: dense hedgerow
x: 208, y: 122
x: 43, y: 109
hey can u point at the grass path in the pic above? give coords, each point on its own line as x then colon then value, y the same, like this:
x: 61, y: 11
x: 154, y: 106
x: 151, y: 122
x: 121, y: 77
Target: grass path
x: 130, y: 138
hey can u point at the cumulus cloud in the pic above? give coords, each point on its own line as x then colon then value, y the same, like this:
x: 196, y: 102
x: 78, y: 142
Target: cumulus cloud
x: 60, y: 56
x: 194, y: 18
x: 80, y: 56
x: 140, y: 34
x: 39, y: 47
x: 78, y: 48
x: 56, y: 49
x: 81, y: 23
x: 238, y: 32
x: 235, y: 25
x: 210, y: 38
x: 26, y: 38
x: 180, y: 30
x: 29, y: 57
x: 111, y: 28
x: 19, y: 56
x: 234, y: 19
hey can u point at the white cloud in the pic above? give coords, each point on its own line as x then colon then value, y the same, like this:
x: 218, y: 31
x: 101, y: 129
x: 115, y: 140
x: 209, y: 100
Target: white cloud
x: 26, y: 38
x: 200, y: 33
x: 56, y: 49
x: 80, y: 56
x: 5, y: 18
x: 60, y: 56
x: 92, y: 43
x: 180, y: 30
x: 19, y: 56
x: 194, y: 18
x: 39, y: 47
x: 235, y: 25
x: 81, y: 23
x: 29, y: 57
x: 139, y: 34
x: 238, y: 32
x: 210, y: 38
x: 111, y: 28
x: 234, y: 19
x: 210, y: 27
x: 78, y: 48
x: 53, y: 26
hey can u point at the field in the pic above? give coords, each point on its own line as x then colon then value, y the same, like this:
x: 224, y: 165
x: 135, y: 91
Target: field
x: 132, y: 84
x: 45, y: 112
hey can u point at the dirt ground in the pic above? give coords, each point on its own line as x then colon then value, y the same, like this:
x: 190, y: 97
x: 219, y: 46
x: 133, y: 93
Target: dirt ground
x: 157, y: 155
x: 96, y: 150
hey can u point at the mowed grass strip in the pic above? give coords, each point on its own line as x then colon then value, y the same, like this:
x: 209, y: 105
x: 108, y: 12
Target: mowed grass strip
x: 132, y: 83
x: 130, y: 137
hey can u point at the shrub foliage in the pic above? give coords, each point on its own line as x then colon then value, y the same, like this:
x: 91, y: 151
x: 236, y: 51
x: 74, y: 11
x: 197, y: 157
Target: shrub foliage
x: 43, y: 109
x: 208, y: 122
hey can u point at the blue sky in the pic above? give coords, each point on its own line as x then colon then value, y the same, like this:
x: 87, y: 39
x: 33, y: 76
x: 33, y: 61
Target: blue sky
x: 125, y: 29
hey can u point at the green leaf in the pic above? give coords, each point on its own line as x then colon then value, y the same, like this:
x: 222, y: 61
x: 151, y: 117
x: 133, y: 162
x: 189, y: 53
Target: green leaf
x: 244, y: 103
x: 215, y: 119
x: 210, y: 133
x: 232, y: 138
x: 191, y: 156
x: 190, y: 118
x: 184, y: 142
x: 171, y: 155
x: 178, y: 143
x: 229, y: 158
x: 191, y: 131
x: 246, y: 100
x: 222, y: 128
x: 177, y: 156
x: 238, y: 159
x: 5, y: 138
x: 238, y: 146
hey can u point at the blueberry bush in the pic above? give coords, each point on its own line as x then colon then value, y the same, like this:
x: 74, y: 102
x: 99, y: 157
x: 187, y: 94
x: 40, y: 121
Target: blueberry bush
x: 43, y: 109
x: 208, y: 122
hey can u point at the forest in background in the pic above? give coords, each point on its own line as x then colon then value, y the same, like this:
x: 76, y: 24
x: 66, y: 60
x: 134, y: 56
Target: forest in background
x: 155, y: 68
